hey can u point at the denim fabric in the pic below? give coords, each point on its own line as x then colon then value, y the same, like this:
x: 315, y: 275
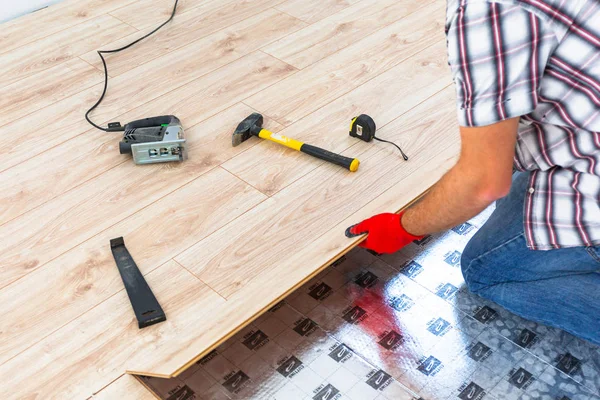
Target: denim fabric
x: 559, y: 288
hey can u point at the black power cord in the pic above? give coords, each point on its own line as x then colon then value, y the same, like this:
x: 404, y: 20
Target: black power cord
x: 116, y: 126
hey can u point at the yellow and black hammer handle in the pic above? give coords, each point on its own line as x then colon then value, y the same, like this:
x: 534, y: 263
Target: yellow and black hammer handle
x: 346, y: 162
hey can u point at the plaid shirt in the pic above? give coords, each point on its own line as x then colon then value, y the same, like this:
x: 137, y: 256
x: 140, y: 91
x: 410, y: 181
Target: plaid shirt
x: 538, y: 60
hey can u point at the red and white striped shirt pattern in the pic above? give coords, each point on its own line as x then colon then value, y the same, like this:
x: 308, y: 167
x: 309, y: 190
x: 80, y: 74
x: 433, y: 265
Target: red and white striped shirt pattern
x: 538, y: 60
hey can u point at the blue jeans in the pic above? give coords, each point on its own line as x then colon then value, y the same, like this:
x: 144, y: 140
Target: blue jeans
x: 560, y: 288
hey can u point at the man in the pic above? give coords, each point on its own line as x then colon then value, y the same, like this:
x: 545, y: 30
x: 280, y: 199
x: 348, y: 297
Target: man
x: 527, y: 75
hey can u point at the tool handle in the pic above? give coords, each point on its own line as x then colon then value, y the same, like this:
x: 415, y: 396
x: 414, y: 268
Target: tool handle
x: 346, y: 162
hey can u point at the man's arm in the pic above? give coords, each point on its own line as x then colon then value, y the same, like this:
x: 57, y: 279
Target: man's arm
x: 482, y: 175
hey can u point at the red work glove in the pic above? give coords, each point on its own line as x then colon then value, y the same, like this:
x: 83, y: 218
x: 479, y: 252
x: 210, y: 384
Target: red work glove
x: 385, y: 233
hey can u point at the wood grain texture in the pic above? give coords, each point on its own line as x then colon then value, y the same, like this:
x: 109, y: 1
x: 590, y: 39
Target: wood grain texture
x: 46, y: 88
x: 68, y: 167
x: 334, y: 33
x: 60, y: 47
x: 86, y: 275
x: 126, y: 387
x: 68, y: 220
x: 421, y: 75
x: 229, y: 232
x: 84, y: 368
x: 40, y: 24
x: 250, y: 20
x: 319, y: 84
x: 312, y: 11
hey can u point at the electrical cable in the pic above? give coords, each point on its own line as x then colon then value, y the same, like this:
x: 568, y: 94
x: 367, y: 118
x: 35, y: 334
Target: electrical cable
x: 116, y: 126
x: 398, y: 147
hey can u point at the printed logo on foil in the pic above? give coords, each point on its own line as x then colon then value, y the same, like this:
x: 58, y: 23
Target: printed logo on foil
x: 340, y: 353
x: 391, y: 340
x: 255, y: 340
x: 521, y: 378
x: 290, y: 367
x: 439, y: 326
x: 411, y: 269
x: 355, y: 315
x: 430, y: 366
x: 401, y: 303
x: 236, y: 382
x: 446, y: 291
x: 472, y: 392
x: 320, y: 292
x: 485, y: 314
x: 479, y: 352
x: 453, y: 258
x: 366, y: 280
x: 526, y: 339
x: 568, y: 363
x: 463, y: 229
x: 305, y: 327
x: 328, y: 392
x: 379, y: 379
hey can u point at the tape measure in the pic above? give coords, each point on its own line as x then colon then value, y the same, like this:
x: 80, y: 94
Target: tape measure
x: 363, y: 127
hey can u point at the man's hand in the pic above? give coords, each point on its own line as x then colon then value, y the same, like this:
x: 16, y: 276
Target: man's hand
x: 385, y: 233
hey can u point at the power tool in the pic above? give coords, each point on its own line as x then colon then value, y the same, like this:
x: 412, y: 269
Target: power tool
x: 149, y: 140
x: 152, y: 140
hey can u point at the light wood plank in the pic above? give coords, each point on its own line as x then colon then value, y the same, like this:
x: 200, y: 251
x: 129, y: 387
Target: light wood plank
x: 319, y: 84
x: 334, y: 33
x: 60, y: 47
x: 420, y: 76
x: 312, y: 11
x: 76, y: 281
x: 302, y: 226
x: 57, y: 17
x: 46, y: 88
x: 146, y: 14
x: 64, y: 120
x: 126, y: 387
x: 70, y: 219
x: 67, y: 166
x: 67, y: 366
x: 190, y: 27
x: 307, y: 208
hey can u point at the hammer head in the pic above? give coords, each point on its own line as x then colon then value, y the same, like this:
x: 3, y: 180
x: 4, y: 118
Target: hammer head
x: 251, y: 125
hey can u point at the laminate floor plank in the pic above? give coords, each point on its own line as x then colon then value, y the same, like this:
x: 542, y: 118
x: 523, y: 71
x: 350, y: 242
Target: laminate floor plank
x: 212, y: 17
x: 86, y: 275
x: 310, y: 220
x: 126, y: 387
x: 57, y: 48
x: 42, y: 23
x: 68, y: 220
x: 107, y: 339
x: 336, y: 75
x: 46, y: 88
x: 40, y: 179
x: 64, y: 120
x: 340, y: 30
x: 312, y: 11
x: 270, y: 168
x: 146, y: 14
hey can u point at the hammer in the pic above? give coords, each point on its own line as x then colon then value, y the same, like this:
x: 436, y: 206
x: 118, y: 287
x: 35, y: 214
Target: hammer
x: 252, y: 126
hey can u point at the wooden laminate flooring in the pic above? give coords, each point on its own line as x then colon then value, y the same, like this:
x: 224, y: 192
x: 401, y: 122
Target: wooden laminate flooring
x: 228, y: 233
